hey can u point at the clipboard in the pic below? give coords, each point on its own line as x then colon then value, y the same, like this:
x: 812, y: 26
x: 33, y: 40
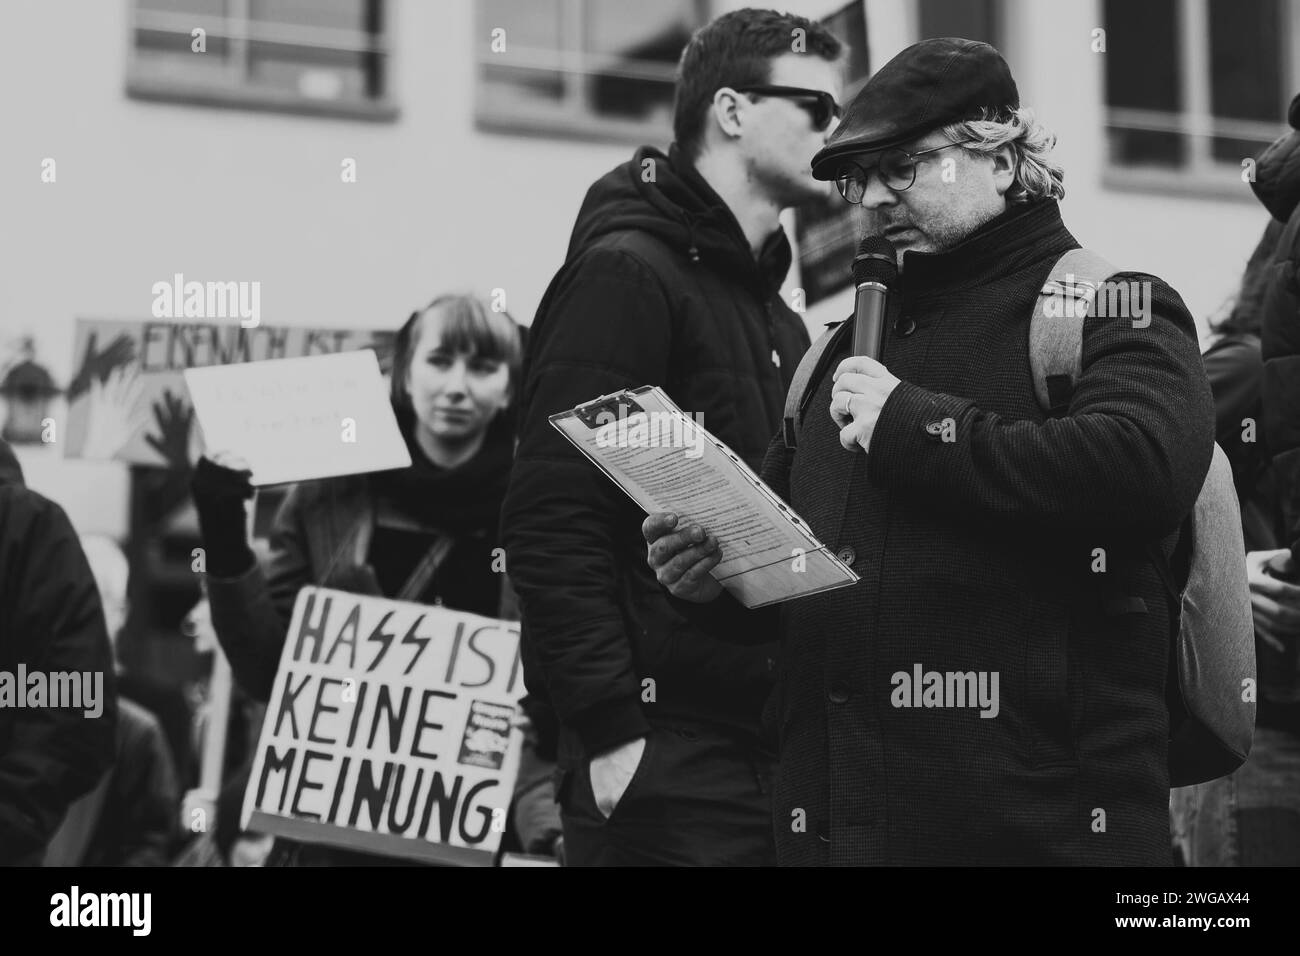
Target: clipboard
x: 665, y: 461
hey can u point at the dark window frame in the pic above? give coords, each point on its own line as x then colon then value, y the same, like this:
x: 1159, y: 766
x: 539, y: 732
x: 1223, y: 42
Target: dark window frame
x: 573, y: 118
x: 1199, y: 172
x: 154, y: 80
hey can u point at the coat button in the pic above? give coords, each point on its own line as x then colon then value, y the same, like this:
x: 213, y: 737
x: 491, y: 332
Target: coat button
x: 934, y: 428
x: 847, y: 555
x: 839, y: 692
x: 905, y: 326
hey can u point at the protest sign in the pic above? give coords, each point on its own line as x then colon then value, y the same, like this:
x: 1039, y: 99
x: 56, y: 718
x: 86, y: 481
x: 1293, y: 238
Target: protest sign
x: 127, y: 400
x: 389, y: 730
x: 303, y: 418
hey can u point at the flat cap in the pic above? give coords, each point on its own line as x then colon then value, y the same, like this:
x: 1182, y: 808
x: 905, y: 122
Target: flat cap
x: 928, y: 85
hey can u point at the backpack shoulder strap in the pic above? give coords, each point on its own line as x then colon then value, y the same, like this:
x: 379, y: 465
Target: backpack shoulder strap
x: 792, y: 418
x: 1056, y: 329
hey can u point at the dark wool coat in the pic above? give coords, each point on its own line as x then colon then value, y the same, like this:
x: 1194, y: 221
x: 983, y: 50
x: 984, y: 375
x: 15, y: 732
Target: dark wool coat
x: 659, y: 287
x: 978, y: 555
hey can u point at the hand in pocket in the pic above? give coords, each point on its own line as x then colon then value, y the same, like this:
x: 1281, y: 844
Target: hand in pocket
x: 612, y: 771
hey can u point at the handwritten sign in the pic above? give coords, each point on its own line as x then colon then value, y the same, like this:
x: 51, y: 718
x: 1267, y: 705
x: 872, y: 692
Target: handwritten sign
x: 127, y: 400
x: 295, y: 419
x: 389, y: 730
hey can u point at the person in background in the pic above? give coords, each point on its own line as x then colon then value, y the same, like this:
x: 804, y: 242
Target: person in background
x: 235, y: 742
x: 135, y: 822
x: 1252, y: 816
x: 1277, y: 186
x: 51, y: 620
x: 431, y: 528
x: 672, y: 278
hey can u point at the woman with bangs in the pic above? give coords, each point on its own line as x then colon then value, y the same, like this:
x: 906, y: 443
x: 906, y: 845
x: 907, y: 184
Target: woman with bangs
x: 426, y: 533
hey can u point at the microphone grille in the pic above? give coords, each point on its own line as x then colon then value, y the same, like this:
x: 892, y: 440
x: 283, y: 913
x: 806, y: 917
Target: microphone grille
x: 876, y: 261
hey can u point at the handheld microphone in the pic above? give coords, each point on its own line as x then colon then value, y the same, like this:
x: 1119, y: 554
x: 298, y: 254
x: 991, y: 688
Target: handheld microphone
x: 875, y: 269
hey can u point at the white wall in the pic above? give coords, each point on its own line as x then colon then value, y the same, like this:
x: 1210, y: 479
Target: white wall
x: 145, y: 190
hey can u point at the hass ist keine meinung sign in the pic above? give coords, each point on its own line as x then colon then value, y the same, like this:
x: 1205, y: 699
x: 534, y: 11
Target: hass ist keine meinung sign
x: 389, y: 730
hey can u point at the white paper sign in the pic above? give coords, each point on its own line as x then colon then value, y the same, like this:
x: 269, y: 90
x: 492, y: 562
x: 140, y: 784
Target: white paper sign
x: 390, y: 730
x: 300, y: 418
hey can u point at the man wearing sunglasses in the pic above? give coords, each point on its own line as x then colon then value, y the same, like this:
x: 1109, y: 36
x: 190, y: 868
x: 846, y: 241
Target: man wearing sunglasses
x: 1000, y: 548
x: 672, y: 278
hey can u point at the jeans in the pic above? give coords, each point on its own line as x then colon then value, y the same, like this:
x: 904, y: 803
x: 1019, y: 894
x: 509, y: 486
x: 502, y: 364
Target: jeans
x: 1249, y: 818
x: 700, y: 797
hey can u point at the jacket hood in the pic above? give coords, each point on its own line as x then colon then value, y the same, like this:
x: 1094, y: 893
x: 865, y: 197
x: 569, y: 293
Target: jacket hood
x: 667, y: 197
x: 11, y: 473
x: 1277, y: 171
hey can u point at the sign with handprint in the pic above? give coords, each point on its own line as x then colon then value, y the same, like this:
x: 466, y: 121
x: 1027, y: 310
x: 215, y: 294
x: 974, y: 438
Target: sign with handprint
x: 128, y: 401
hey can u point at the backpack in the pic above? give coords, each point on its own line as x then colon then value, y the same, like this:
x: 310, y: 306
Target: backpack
x: 1211, y: 726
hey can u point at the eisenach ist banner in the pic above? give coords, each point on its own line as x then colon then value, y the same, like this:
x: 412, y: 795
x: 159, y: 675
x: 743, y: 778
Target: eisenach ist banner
x: 389, y: 730
x: 127, y: 400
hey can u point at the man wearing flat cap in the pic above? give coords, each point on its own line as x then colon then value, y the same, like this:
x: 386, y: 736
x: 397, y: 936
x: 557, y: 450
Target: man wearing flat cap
x: 974, y: 517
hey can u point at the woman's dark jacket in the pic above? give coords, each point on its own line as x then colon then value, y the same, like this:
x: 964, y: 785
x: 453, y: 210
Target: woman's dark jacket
x: 325, y: 534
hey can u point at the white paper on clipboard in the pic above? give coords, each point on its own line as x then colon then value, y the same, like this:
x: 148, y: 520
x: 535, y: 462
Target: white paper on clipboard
x: 665, y: 461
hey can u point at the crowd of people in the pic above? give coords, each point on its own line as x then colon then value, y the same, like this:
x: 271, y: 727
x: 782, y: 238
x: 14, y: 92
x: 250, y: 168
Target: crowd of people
x: 971, y: 513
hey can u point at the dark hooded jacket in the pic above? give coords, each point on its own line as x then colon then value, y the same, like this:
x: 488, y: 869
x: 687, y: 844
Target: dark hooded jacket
x: 1277, y: 185
x: 51, y: 621
x: 659, y: 287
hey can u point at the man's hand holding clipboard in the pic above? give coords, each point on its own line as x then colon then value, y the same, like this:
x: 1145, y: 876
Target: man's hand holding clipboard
x: 682, y: 558
x: 750, y: 544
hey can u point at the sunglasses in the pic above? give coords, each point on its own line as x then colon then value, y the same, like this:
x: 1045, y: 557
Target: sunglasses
x: 896, y: 169
x: 819, y: 105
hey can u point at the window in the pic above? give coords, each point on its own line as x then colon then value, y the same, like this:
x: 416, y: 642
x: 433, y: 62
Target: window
x: 325, y: 57
x: 972, y: 19
x: 1194, y: 87
x: 592, y: 68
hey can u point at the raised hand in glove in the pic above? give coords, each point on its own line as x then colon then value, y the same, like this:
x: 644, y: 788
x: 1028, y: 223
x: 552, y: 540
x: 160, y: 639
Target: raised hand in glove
x: 220, y: 487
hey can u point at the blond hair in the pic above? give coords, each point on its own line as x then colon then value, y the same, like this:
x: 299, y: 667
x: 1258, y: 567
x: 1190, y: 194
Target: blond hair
x: 1037, y: 176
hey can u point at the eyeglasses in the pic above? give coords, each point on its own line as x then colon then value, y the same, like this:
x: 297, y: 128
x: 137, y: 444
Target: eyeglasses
x: 820, y: 105
x: 896, y: 168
